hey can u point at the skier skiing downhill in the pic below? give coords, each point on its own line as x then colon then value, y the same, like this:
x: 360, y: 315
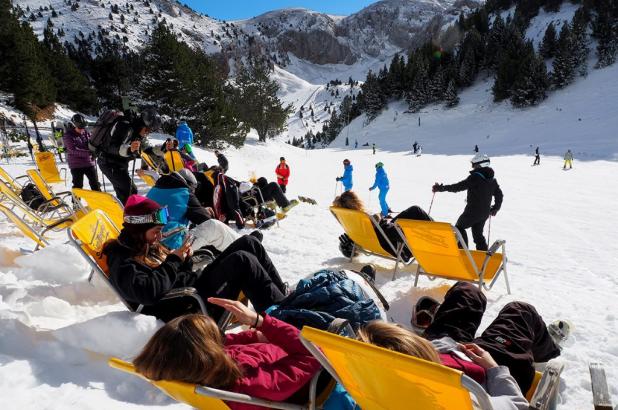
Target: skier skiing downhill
x: 481, y: 186
x: 346, y: 179
x: 537, y: 157
x: 381, y: 182
x: 568, y: 160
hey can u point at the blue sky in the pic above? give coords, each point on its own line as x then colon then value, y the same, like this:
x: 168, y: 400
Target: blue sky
x: 241, y: 9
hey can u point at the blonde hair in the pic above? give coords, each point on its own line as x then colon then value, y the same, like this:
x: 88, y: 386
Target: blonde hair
x: 190, y: 349
x: 349, y: 200
x: 394, y: 337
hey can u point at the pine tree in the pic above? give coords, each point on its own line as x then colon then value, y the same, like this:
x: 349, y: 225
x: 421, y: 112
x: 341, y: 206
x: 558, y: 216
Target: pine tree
x: 436, y: 87
x: 552, y: 6
x: 550, y: 43
x: 580, y: 41
x: 509, y: 60
x: 531, y: 83
x: 418, y: 97
x: 563, y: 71
x: 606, y: 30
x: 450, y: 95
x: 373, y: 97
x: 495, y: 41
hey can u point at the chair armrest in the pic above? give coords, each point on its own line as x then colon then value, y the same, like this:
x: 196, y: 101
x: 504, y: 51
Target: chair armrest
x: 495, y: 246
x: 186, y: 292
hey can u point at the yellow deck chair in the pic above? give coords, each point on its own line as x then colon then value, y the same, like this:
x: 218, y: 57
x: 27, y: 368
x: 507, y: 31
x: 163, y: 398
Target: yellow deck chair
x: 207, y: 398
x: 148, y: 177
x: 174, y: 162
x: 46, y: 163
x: 14, y: 183
x: 435, y: 247
x: 362, y: 228
x: 26, y: 229
x: 104, y: 201
x: 150, y: 162
x: 90, y: 233
x: 56, y: 199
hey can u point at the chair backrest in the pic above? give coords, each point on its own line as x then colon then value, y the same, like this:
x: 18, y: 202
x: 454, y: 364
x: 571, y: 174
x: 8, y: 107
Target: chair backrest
x: 16, y: 202
x: 23, y: 226
x: 104, y: 201
x: 38, y: 180
x: 434, y: 245
x: 46, y: 163
x: 148, y: 179
x: 360, y: 228
x: 378, y: 378
x: 91, y: 233
x: 148, y: 160
x: 174, y: 162
x: 182, y: 392
x: 5, y: 177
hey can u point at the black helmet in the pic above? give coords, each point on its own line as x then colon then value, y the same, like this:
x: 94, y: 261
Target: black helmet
x: 79, y: 121
x: 151, y: 119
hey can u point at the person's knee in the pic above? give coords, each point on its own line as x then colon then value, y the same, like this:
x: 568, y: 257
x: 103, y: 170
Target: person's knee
x: 519, y: 307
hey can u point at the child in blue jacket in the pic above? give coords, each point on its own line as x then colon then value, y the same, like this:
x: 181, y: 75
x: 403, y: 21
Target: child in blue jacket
x: 381, y: 182
x: 346, y: 179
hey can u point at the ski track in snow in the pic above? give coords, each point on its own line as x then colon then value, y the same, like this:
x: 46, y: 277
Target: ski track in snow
x: 57, y: 331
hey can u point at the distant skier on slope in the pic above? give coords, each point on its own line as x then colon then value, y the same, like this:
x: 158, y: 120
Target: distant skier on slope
x: 476, y: 149
x: 568, y: 160
x: 374, y: 148
x: 346, y: 179
x: 537, y: 157
x: 381, y: 182
x: 419, y: 150
x: 481, y: 186
x: 415, y: 147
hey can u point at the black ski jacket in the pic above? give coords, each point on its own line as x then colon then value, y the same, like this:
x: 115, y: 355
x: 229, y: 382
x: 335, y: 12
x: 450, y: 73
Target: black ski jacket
x: 481, y: 186
x: 138, y: 283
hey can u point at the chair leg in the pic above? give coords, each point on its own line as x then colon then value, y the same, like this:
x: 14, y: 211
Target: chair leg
x: 506, y: 279
x: 353, y: 250
x: 418, y: 271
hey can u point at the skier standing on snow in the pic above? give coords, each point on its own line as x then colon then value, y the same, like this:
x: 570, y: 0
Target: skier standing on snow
x: 415, y: 147
x: 346, y: 179
x: 184, y: 135
x: 355, y: 144
x: 374, y: 148
x: 481, y: 186
x: 537, y: 157
x: 80, y: 158
x: 283, y: 173
x: 381, y: 182
x: 568, y: 159
x: 476, y: 149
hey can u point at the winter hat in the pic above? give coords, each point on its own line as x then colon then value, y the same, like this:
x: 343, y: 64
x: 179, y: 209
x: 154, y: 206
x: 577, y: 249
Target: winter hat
x: 189, y: 178
x: 481, y: 160
x: 140, y: 210
x: 282, y: 159
x: 379, y: 165
x: 346, y: 161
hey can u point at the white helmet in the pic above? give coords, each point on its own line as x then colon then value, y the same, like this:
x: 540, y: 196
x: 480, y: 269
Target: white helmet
x: 481, y: 160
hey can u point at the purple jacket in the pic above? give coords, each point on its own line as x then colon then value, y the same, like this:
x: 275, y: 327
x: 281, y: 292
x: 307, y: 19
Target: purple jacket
x: 78, y: 154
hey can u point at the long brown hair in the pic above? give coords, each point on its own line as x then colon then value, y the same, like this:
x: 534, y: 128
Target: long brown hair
x: 349, y: 200
x: 394, y: 337
x: 189, y: 349
x: 134, y: 237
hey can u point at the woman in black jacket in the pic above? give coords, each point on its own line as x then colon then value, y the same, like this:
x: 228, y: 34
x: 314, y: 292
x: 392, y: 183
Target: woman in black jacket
x: 143, y: 271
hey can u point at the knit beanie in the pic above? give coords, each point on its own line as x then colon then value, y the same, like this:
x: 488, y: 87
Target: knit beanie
x: 138, y: 205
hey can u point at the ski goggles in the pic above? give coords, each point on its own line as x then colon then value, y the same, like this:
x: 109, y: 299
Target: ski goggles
x: 159, y: 217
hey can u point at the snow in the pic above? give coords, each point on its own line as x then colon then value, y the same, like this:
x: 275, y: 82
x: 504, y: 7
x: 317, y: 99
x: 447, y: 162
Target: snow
x: 57, y: 331
x: 538, y: 25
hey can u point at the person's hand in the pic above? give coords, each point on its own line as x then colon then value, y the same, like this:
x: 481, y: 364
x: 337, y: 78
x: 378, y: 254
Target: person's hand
x: 135, y: 145
x: 242, y: 313
x: 436, y: 187
x: 478, y: 355
x: 493, y: 211
x: 210, y: 212
x: 371, y: 189
x: 184, y: 251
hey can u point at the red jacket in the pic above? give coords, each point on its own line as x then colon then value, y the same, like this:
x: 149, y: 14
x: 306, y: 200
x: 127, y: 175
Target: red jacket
x: 470, y: 369
x: 283, y: 173
x: 274, y: 370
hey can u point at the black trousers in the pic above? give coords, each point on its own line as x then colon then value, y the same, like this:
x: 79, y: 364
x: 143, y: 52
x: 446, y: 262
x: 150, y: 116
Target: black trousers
x: 283, y: 187
x: 273, y: 192
x: 517, y: 338
x: 90, y: 173
x: 118, y: 174
x: 477, y: 224
x: 537, y: 160
x: 243, y: 266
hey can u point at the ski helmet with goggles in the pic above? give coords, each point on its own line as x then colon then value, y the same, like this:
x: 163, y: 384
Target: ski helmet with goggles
x: 151, y: 119
x: 78, y: 121
x: 481, y: 160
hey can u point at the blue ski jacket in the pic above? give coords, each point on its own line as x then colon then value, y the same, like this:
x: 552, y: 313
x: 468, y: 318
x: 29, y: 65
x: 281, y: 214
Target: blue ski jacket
x: 346, y: 179
x: 184, y: 135
x: 327, y: 295
x: 381, y: 180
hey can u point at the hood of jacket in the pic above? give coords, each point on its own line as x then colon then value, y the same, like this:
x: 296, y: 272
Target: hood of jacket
x: 171, y: 181
x: 485, y: 172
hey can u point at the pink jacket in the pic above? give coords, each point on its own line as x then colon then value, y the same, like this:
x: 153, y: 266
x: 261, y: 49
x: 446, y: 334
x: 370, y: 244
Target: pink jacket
x: 273, y: 370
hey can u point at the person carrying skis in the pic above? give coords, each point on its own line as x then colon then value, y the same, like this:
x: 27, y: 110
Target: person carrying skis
x: 381, y: 182
x: 537, y: 157
x: 568, y: 160
x: 346, y: 179
x: 481, y: 186
x: 127, y: 138
x: 283, y: 174
x: 80, y: 159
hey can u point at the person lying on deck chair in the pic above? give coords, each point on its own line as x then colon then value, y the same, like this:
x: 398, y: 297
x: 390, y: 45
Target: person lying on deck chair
x: 501, y: 358
x: 143, y: 271
x: 349, y: 200
x: 267, y: 362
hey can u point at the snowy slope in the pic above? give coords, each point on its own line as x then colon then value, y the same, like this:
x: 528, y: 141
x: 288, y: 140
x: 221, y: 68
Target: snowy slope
x: 56, y: 331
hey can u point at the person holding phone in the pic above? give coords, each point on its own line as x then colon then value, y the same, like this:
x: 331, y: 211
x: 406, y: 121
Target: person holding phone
x: 143, y: 271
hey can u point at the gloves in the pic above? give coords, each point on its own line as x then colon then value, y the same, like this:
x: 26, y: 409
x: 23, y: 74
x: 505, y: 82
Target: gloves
x: 437, y: 187
x: 338, y: 179
x: 371, y: 189
x: 493, y: 211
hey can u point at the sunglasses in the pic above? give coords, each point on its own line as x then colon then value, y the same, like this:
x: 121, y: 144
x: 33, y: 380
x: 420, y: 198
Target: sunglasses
x: 160, y: 217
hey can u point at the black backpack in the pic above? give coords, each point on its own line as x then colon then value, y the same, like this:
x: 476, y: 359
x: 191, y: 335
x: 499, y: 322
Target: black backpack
x: 32, y: 196
x: 102, y: 131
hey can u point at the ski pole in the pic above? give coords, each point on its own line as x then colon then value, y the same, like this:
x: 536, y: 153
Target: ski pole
x: 431, y: 205
x: 489, y: 230
x: 336, y: 183
x: 133, y: 175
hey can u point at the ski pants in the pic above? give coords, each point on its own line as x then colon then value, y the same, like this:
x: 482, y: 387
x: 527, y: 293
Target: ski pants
x: 383, y: 205
x: 477, y: 224
x: 273, y: 192
x: 283, y: 188
x: 517, y: 338
x: 568, y: 162
x: 537, y: 160
x: 243, y: 266
x: 90, y: 173
x: 118, y: 175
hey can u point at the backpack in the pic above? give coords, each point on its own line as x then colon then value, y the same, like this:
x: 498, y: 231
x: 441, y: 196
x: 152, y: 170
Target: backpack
x: 226, y: 201
x: 32, y: 196
x: 101, y: 133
